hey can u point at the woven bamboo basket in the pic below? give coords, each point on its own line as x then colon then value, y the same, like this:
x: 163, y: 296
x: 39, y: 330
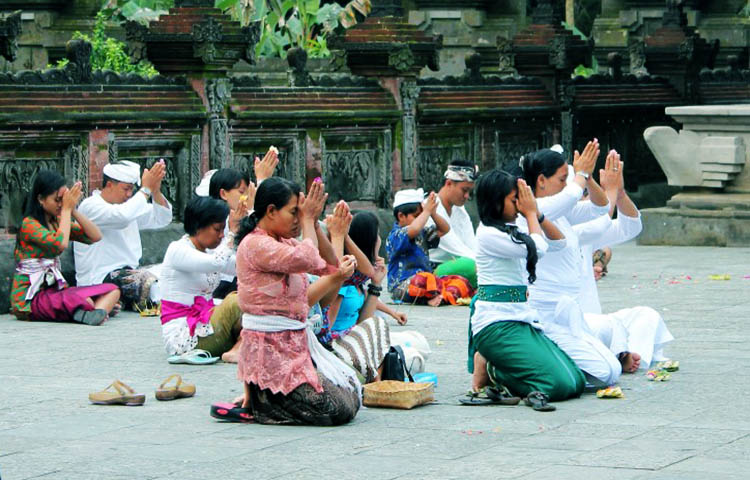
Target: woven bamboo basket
x: 394, y: 394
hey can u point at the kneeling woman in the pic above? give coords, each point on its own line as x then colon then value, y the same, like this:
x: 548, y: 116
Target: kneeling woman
x: 39, y: 290
x: 504, y: 330
x: 289, y: 377
x: 357, y: 335
x: 189, y: 275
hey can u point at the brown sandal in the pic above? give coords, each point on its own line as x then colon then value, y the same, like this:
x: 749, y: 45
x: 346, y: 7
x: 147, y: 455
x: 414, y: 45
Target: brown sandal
x: 117, y: 393
x: 180, y: 390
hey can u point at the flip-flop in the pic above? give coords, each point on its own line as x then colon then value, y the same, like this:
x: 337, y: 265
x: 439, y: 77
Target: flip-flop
x: 489, y: 396
x: 539, y: 402
x: 180, y: 390
x: 91, y: 317
x: 231, y: 412
x: 194, y: 357
x: 117, y: 393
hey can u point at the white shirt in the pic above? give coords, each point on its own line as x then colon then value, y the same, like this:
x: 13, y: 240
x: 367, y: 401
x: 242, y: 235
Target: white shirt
x: 460, y: 241
x: 187, y: 273
x: 501, y: 261
x: 596, y: 234
x: 120, y: 245
x: 559, y: 272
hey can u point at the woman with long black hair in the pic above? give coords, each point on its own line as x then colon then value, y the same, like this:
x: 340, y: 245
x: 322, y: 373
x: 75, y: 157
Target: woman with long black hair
x: 506, y: 344
x: 51, y: 222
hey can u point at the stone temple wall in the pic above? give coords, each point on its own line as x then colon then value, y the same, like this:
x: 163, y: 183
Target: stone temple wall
x: 368, y: 120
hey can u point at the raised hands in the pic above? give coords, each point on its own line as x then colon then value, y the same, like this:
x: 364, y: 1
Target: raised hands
x: 264, y: 168
x: 312, y: 205
x: 586, y: 161
x: 347, y: 265
x: 339, y: 221
x: 380, y: 271
x: 430, y: 203
x: 611, y: 177
x: 153, y: 176
x: 71, y: 196
x: 237, y: 214
x: 526, y: 203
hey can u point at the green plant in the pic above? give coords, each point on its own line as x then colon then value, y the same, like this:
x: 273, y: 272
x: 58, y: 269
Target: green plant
x: 142, y: 11
x: 108, y: 53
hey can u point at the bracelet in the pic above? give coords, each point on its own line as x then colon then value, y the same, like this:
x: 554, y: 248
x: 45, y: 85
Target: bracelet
x: 373, y: 293
x: 583, y: 174
x: 146, y: 191
x: 374, y: 290
x: 541, y: 219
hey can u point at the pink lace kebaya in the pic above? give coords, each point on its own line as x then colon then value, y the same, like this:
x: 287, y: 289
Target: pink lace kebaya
x: 271, y: 280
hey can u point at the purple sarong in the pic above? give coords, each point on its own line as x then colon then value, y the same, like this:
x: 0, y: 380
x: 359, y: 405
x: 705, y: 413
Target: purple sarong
x: 50, y: 305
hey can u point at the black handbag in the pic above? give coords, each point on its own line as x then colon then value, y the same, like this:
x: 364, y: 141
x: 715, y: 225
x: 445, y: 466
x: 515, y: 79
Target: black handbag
x: 394, y: 366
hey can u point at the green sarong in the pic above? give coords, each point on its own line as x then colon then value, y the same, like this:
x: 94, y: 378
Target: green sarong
x: 522, y: 358
x: 464, y: 266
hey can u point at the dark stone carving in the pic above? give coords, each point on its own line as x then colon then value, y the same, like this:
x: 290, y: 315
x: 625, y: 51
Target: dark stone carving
x: 615, y: 66
x: 549, y: 12
x: 194, y: 162
x: 135, y: 34
x: 338, y: 59
x: 245, y: 81
x: 79, y: 54
x: 251, y: 35
x: 351, y: 174
x: 506, y: 63
x: 297, y: 73
x: 473, y: 72
x: 487, y: 80
x: 218, y: 93
x: 217, y: 130
x: 409, y: 97
x: 10, y: 29
x: 637, y: 53
x: 401, y: 58
x: 347, y: 81
x: 205, y: 37
x: 383, y: 8
x: 508, y: 152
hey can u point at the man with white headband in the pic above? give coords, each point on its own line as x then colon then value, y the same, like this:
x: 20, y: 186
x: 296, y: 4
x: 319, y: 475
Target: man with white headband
x: 457, y: 249
x: 120, y: 214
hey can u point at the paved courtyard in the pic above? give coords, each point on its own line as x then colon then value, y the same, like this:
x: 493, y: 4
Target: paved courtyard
x: 695, y: 426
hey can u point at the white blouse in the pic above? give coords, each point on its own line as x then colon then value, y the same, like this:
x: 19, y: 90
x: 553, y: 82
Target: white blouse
x: 501, y: 261
x: 187, y: 273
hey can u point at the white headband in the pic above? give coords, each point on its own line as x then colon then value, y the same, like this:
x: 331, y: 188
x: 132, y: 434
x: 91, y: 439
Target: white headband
x: 409, y: 195
x: 459, y: 173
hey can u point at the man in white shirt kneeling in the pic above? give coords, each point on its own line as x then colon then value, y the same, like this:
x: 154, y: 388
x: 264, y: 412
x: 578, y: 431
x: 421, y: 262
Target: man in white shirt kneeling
x: 121, y: 212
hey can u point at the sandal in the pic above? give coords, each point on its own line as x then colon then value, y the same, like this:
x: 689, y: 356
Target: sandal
x: 180, y: 390
x: 90, y: 317
x: 539, y: 402
x: 231, y: 412
x: 117, y: 393
x: 194, y: 357
x: 489, y: 396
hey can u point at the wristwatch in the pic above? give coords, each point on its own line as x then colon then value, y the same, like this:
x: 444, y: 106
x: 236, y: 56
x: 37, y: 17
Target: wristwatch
x: 583, y: 174
x: 146, y: 191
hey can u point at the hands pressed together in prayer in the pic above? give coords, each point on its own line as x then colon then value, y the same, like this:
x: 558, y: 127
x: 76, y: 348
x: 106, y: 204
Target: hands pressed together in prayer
x: 264, y: 168
x: 71, y: 196
x: 611, y: 176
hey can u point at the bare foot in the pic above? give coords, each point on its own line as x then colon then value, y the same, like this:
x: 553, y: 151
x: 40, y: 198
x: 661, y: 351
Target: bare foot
x: 480, y: 378
x: 230, y: 357
x: 630, y: 361
x: 239, y: 400
x: 435, y: 301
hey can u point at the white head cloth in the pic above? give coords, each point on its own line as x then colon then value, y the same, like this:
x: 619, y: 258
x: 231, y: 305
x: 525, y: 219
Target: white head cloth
x: 409, y: 195
x: 124, y: 171
x: 202, y: 189
x: 557, y: 148
x: 459, y: 173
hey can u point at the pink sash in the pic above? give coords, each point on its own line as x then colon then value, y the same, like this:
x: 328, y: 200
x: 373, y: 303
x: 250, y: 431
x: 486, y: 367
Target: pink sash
x: 199, y: 312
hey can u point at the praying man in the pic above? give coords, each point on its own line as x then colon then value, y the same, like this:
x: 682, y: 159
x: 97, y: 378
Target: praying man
x: 121, y: 210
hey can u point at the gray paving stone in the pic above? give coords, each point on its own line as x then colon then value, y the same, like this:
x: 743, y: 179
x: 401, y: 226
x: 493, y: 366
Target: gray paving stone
x: 689, y: 428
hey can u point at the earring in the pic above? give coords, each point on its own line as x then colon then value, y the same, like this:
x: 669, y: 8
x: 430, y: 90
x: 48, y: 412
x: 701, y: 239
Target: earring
x: 541, y: 186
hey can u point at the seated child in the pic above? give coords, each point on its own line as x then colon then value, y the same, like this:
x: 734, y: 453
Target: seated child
x: 409, y: 241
